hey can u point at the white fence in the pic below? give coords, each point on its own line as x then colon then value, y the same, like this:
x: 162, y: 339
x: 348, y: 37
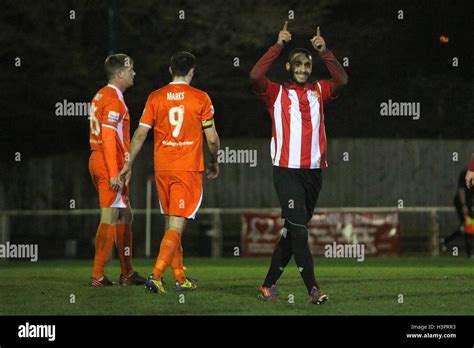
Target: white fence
x: 217, y: 215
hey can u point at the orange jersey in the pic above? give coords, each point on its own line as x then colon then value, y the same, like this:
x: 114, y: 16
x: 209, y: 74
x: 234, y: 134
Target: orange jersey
x: 110, y: 127
x: 177, y: 113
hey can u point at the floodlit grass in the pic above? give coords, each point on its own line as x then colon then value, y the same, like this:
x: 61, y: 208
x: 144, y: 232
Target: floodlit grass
x: 430, y: 286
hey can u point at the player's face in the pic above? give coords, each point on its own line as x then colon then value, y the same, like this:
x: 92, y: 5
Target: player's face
x: 127, y: 75
x: 300, y: 67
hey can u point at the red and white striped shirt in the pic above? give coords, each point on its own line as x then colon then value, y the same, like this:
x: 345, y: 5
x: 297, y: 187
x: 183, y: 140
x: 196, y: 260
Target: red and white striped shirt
x: 297, y: 112
x: 298, y: 134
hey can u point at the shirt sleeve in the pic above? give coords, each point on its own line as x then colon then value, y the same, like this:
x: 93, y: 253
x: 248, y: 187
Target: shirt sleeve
x: 471, y: 165
x: 207, y: 110
x: 111, y: 118
x: 269, y: 95
x: 326, y: 94
x: 112, y: 114
x: 262, y: 86
x: 339, y: 76
x: 148, y: 116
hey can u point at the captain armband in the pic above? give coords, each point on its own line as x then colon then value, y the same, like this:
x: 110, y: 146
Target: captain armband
x: 207, y: 123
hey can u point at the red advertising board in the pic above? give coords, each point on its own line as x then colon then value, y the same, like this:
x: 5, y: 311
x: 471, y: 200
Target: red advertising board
x: 378, y: 232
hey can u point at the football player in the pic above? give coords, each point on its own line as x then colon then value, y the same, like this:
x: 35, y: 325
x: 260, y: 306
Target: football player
x: 179, y: 114
x: 109, y: 140
x: 298, y: 150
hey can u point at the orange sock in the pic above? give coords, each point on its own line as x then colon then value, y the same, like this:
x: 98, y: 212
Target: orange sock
x: 123, y: 242
x: 170, y: 242
x: 177, y: 264
x: 104, y: 240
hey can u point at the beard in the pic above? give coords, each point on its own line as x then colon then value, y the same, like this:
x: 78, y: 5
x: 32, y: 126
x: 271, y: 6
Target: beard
x: 302, y: 76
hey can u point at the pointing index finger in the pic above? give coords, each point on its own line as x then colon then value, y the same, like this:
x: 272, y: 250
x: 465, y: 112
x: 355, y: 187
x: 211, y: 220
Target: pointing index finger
x: 285, y: 27
x: 318, y: 33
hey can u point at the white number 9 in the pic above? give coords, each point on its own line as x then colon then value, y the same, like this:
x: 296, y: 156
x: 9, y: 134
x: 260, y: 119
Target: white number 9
x: 176, y: 117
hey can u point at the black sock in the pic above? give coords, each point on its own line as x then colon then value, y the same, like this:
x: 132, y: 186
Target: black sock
x: 302, y: 254
x: 280, y: 258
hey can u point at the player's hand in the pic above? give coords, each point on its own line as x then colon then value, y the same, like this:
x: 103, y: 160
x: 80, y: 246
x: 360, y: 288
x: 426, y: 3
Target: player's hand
x: 212, y: 170
x: 318, y: 42
x: 115, y: 183
x: 469, y: 179
x: 284, y: 36
x: 128, y: 177
x: 123, y: 173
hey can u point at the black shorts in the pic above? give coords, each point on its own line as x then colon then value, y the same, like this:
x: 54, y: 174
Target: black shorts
x: 297, y: 191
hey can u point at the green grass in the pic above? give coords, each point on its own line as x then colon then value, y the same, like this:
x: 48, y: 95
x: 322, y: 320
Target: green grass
x: 430, y: 286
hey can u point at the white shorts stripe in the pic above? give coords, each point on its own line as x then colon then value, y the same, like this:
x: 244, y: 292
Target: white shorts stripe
x: 193, y: 215
x: 161, y: 207
x: 118, y: 201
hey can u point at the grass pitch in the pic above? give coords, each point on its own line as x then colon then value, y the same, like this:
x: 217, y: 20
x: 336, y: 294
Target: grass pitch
x: 429, y: 286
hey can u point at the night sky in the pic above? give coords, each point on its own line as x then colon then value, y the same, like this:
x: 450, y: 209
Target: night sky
x: 389, y: 59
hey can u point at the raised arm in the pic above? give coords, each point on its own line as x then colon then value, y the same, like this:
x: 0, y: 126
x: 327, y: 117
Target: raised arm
x: 257, y: 74
x: 109, y: 142
x: 339, y: 76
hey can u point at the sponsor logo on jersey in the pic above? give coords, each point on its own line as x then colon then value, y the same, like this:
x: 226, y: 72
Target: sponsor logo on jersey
x: 113, y: 116
x: 179, y: 143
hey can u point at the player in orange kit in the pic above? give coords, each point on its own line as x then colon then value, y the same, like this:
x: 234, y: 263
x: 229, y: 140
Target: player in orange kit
x: 109, y: 140
x: 178, y: 113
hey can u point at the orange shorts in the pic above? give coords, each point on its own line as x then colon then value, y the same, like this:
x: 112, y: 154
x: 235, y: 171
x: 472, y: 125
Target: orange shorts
x: 108, y: 198
x: 179, y: 192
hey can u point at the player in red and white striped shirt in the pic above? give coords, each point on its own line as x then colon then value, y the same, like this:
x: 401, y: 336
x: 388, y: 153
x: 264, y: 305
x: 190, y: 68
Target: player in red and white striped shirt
x: 298, y: 150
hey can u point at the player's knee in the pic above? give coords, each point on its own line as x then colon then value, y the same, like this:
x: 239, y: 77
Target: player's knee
x: 125, y: 216
x: 177, y: 223
x: 108, y: 221
x: 295, y: 221
x: 108, y: 216
x: 299, y: 234
x: 125, y: 220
